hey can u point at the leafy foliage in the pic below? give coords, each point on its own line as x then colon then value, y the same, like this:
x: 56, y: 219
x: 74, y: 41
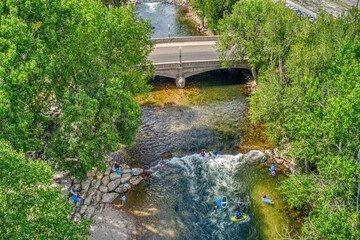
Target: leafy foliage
x: 30, y: 206
x: 213, y: 10
x: 69, y: 71
x: 308, y: 97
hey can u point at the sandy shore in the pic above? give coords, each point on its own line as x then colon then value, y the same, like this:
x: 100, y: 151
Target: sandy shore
x: 113, y: 224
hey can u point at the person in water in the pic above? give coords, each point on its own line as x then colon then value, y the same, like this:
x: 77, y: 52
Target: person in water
x: 238, y: 215
x: 214, y: 152
x: 210, y: 154
x: 203, y: 153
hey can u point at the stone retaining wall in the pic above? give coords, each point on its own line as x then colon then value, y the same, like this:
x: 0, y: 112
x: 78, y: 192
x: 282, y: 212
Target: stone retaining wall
x: 99, y: 188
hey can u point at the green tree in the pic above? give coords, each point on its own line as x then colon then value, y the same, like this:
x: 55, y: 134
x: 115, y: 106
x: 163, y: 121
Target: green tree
x: 70, y: 71
x: 31, y: 207
x: 308, y: 97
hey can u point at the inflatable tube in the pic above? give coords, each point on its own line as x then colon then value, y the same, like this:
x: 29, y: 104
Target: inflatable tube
x: 267, y: 200
x: 245, y: 218
x: 222, y: 202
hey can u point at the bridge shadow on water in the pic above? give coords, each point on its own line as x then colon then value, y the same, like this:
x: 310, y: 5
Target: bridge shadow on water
x: 218, y: 77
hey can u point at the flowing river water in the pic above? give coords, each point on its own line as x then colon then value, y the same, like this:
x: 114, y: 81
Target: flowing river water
x: 177, y: 202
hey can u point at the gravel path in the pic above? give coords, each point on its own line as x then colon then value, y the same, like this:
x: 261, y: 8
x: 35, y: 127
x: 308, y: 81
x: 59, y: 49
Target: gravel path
x: 113, y: 224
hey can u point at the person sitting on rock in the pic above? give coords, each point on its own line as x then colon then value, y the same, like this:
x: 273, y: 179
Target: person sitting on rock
x: 76, y: 192
x: 127, y: 186
x: 116, y: 165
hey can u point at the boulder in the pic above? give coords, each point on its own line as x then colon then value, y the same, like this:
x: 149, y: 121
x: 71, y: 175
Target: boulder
x: 115, y: 156
x: 114, y: 176
x: 106, y: 180
x: 66, y: 182
x: 96, y: 198
x: 121, y: 189
x: 103, y: 189
x: 95, y: 184
x: 107, y: 171
x: 137, y: 171
x: 107, y: 159
x: 109, y: 197
x: 125, y: 177
x: 76, y: 218
x: 89, y: 212
x: 65, y: 191
x: 87, y: 200
x: 71, y: 201
x: 136, y: 180
x: 85, y: 185
x: 83, y: 209
x: 113, y: 184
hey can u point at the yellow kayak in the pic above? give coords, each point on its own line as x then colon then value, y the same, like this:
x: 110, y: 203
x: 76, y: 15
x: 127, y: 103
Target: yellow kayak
x: 244, y: 218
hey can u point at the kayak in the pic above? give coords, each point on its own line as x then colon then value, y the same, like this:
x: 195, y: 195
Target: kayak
x: 267, y: 200
x: 75, y: 198
x: 222, y: 202
x: 244, y: 218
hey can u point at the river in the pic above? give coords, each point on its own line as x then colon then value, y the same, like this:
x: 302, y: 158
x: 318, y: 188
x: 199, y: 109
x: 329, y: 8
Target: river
x: 178, y: 200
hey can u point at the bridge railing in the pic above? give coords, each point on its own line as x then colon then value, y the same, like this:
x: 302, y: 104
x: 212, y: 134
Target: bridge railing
x: 199, y: 63
x: 186, y: 39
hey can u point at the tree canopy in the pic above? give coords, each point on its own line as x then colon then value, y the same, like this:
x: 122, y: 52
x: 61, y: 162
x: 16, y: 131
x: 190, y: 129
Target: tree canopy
x: 69, y: 71
x: 30, y: 206
x: 308, y: 98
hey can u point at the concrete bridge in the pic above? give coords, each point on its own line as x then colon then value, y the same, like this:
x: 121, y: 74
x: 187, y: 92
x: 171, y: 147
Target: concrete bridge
x: 183, y: 57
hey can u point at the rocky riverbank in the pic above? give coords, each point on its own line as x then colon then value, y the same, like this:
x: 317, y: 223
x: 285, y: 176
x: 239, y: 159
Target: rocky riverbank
x: 100, y: 188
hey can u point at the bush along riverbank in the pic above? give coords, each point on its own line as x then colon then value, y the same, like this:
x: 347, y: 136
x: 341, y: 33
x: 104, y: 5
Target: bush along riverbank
x: 100, y: 188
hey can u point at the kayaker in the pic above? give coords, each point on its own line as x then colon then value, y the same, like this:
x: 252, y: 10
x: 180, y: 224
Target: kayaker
x: 238, y: 215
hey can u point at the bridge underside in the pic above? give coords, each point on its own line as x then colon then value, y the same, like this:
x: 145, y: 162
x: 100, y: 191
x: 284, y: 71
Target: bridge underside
x: 182, y: 71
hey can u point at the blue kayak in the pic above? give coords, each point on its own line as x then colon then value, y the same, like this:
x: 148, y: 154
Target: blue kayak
x: 267, y: 200
x: 222, y: 202
x: 75, y: 198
